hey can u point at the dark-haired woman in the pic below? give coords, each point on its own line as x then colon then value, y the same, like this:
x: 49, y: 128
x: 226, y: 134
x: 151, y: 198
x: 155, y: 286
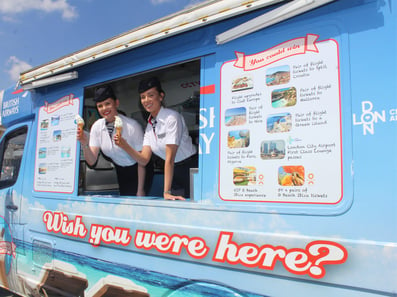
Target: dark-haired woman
x: 166, y: 136
x: 130, y: 175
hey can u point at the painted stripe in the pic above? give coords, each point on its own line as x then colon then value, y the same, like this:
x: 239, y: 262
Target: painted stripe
x: 17, y: 91
x: 205, y: 90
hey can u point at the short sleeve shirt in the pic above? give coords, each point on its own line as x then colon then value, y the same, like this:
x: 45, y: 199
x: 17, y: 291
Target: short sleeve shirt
x: 170, y: 128
x: 132, y: 132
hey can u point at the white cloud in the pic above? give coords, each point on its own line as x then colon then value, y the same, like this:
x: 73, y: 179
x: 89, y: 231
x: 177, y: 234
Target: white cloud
x: 191, y: 3
x: 15, y: 67
x: 11, y: 7
x: 156, y: 2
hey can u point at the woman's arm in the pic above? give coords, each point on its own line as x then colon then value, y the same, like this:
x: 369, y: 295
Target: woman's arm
x: 142, y: 157
x: 90, y: 153
x: 141, y: 180
x: 170, y: 153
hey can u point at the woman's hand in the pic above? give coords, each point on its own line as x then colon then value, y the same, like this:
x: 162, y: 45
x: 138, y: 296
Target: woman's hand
x: 140, y: 193
x: 81, y: 136
x: 169, y: 196
x: 119, y: 141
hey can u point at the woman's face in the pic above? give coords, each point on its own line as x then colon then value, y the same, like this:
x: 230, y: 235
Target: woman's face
x: 108, y: 109
x: 151, y: 101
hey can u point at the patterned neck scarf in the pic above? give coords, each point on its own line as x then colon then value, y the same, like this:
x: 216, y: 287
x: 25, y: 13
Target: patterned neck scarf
x: 110, y: 127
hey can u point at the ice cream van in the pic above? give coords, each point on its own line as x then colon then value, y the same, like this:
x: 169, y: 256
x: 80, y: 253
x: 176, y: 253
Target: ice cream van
x: 293, y: 108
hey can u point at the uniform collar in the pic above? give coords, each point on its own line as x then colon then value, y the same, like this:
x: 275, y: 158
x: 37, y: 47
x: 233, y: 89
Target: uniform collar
x: 153, y: 120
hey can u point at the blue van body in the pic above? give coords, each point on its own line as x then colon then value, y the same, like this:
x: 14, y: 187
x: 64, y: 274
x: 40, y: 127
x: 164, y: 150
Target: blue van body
x: 294, y: 193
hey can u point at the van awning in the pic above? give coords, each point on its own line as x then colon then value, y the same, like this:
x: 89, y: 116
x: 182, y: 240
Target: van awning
x: 272, y: 17
x: 185, y: 20
x: 200, y: 15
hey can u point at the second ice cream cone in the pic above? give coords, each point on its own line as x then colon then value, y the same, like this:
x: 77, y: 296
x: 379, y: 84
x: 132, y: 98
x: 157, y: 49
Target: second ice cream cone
x: 118, y: 131
x: 118, y: 124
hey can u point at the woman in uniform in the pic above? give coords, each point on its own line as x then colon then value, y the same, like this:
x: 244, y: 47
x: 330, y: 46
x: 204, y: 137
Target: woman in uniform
x: 130, y: 175
x: 166, y: 136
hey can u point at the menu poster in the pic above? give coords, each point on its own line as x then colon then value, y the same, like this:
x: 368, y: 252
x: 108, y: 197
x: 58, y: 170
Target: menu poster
x: 280, y: 138
x: 55, y: 163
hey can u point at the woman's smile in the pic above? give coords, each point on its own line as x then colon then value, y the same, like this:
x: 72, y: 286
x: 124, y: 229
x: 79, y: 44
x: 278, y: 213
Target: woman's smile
x: 108, y: 109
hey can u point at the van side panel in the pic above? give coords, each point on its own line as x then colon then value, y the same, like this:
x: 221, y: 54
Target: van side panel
x: 294, y: 189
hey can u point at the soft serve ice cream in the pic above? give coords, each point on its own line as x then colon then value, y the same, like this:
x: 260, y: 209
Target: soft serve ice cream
x: 79, y: 121
x: 118, y: 125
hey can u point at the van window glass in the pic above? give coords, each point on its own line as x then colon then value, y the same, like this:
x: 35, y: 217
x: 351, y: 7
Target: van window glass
x: 12, y: 151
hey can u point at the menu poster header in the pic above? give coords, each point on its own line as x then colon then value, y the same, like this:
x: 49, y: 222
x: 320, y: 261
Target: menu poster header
x: 280, y: 138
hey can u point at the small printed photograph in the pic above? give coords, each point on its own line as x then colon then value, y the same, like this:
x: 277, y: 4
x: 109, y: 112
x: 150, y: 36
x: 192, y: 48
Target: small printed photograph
x: 55, y: 120
x: 242, y: 83
x: 279, y: 123
x: 57, y: 135
x: 273, y: 149
x: 42, y: 152
x: 66, y: 152
x: 291, y: 176
x: 238, y: 139
x: 43, y: 168
x: 244, y: 176
x: 284, y: 97
x: 44, y: 124
x: 278, y: 75
x: 236, y: 116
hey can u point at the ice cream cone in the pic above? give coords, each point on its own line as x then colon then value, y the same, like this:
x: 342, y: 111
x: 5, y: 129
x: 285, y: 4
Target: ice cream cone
x: 118, y: 125
x: 118, y: 131
x: 80, y: 126
x: 79, y: 121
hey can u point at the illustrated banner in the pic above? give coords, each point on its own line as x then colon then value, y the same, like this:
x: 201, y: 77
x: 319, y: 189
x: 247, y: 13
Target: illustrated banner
x: 297, y: 46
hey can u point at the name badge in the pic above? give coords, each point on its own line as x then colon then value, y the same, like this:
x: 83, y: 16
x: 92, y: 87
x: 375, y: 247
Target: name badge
x: 160, y: 136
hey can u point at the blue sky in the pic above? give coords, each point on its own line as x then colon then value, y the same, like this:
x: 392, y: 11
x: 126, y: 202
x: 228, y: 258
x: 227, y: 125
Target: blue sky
x: 34, y: 32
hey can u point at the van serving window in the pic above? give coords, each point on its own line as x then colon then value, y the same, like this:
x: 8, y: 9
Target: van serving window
x: 181, y: 85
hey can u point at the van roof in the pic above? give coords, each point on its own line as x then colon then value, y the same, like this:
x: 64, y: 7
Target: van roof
x: 188, y: 19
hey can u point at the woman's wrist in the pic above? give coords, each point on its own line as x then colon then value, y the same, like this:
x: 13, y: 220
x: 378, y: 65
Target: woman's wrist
x: 167, y: 192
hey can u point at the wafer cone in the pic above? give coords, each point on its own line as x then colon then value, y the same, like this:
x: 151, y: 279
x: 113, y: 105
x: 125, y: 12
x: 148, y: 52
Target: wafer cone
x: 118, y: 131
x: 79, y: 121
